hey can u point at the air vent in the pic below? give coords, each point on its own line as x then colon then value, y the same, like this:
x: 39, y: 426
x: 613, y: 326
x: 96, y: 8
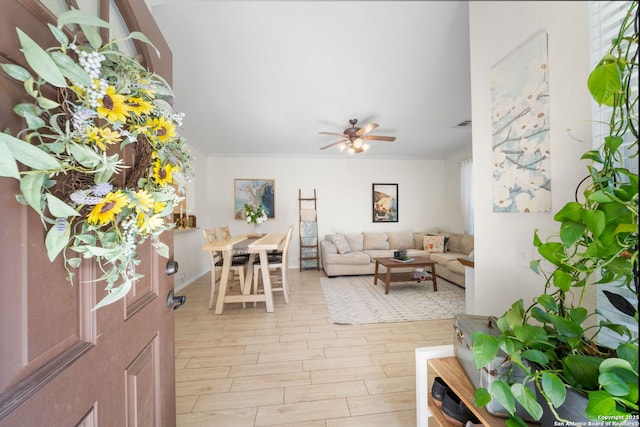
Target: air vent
x: 464, y: 124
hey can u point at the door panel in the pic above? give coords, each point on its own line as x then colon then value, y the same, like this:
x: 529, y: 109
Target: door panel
x: 62, y: 363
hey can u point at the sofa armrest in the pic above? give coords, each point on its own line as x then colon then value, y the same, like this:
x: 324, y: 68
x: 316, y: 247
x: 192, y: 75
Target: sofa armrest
x: 328, y: 247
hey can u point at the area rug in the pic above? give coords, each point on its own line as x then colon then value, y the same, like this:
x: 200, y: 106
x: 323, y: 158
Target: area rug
x: 355, y: 300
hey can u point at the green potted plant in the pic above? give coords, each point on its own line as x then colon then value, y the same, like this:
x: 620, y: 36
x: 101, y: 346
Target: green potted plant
x: 555, y: 339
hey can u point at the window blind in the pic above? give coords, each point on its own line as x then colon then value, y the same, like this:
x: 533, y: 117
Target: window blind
x: 605, y: 18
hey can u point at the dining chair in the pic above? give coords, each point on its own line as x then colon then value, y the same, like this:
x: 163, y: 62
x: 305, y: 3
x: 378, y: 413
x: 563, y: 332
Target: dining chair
x: 239, y: 265
x: 225, y: 233
x: 276, y: 264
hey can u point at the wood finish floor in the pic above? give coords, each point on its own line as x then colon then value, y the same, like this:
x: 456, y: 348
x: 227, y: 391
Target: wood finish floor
x: 294, y: 367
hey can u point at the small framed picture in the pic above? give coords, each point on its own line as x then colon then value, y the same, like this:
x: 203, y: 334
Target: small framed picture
x: 254, y: 192
x: 385, y: 202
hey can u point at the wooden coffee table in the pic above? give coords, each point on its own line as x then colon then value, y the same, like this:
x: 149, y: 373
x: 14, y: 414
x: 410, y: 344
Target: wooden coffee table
x: 391, y: 263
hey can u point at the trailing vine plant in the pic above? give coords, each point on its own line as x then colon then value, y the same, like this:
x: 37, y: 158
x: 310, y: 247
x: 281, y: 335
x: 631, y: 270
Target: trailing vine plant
x: 91, y: 104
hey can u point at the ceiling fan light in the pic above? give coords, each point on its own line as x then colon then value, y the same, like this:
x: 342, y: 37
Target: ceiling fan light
x: 342, y: 146
x: 351, y: 150
x: 357, y: 142
x: 365, y: 147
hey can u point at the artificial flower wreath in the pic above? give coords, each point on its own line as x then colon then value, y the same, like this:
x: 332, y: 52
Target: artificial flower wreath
x: 92, y: 204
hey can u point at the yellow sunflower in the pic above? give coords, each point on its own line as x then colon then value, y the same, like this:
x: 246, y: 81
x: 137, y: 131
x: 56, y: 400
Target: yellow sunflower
x: 113, y: 106
x: 108, y: 136
x: 162, y: 129
x: 92, y: 135
x: 148, y: 223
x: 139, y: 106
x: 159, y: 206
x: 163, y: 175
x: 143, y: 202
x: 106, y: 210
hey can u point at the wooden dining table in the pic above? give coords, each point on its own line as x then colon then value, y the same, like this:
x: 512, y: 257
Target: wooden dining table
x: 260, y: 248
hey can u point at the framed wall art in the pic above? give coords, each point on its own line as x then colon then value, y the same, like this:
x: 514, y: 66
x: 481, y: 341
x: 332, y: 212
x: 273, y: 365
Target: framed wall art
x: 520, y: 129
x: 254, y: 192
x: 385, y: 202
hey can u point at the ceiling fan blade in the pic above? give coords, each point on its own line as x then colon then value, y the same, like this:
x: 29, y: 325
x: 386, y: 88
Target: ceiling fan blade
x: 334, y: 134
x: 367, y: 128
x: 379, y: 138
x: 334, y: 143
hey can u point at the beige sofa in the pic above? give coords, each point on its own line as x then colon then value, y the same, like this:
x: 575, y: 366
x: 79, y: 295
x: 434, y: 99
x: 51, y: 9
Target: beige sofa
x: 354, y: 253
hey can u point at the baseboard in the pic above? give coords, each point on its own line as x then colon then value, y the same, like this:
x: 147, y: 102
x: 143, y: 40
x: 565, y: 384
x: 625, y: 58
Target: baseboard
x: 190, y: 281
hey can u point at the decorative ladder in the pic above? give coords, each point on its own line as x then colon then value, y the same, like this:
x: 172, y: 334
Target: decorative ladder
x: 309, y: 247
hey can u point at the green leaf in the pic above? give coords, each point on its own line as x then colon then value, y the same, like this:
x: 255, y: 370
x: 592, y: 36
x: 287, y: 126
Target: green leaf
x: 71, y: 70
x: 621, y: 368
x: 56, y: 241
x: 527, y: 399
x: 629, y: 352
x: 595, y: 220
x: 74, y: 262
x: 582, y: 371
x: 566, y: 327
x: 502, y: 393
x: 29, y: 155
x: 548, y: 302
x: 562, y: 280
x: 93, y: 36
x: 540, y: 315
x: 552, y: 252
x: 570, y: 212
x: 114, y: 295
x: 8, y: 165
x: 58, y: 208
x: 162, y: 249
x: 85, y: 155
x: 484, y: 349
x: 47, y: 103
x: 535, y: 356
x: 600, y: 404
x: 140, y: 36
x: 17, y: 72
x: 40, y: 61
x: 76, y: 16
x: 600, y: 196
x: 59, y: 35
x: 554, y: 388
x: 613, y: 384
x: 481, y: 397
x: 604, y: 81
x: 23, y: 109
x: 571, y: 232
x: 31, y: 188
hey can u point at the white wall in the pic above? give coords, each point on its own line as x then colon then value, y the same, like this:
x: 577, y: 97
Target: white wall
x: 343, y: 188
x: 192, y: 261
x: 503, y: 241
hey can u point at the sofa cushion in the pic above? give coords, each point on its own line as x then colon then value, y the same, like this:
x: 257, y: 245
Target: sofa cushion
x: 376, y: 241
x: 352, y: 258
x: 444, y: 258
x: 418, y: 240
x: 455, y: 243
x: 455, y: 266
x: 434, y: 244
x: 356, y: 241
x: 466, y: 246
x: 379, y: 253
x: 401, y: 240
x: 341, y: 243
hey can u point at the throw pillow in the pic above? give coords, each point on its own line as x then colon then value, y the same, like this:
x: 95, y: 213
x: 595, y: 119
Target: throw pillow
x: 341, y: 243
x: 375, y: 241
x: 434, y: 244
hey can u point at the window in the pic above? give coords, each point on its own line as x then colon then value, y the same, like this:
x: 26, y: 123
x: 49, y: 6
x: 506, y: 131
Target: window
x: 605, y: 18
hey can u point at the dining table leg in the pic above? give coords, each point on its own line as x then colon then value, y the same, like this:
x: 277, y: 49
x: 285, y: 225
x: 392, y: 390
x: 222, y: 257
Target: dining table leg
x: 227, y: 257
x: 248, y: 277
x: 266, y: 280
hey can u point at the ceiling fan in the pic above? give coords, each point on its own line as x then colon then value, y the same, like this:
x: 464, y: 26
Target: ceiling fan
x: 355, y: 137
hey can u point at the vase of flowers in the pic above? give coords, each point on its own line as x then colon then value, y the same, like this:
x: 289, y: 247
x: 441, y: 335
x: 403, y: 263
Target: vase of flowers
x: 255, y: 215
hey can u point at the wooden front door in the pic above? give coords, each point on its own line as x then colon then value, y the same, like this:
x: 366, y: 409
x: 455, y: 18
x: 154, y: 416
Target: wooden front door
x: 62, y: 364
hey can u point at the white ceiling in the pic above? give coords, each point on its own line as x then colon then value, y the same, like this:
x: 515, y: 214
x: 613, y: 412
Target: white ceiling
x: 264, y: 77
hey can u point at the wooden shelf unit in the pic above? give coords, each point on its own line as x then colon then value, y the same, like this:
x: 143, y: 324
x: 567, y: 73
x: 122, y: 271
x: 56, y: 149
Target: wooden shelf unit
x: 452, y: 373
